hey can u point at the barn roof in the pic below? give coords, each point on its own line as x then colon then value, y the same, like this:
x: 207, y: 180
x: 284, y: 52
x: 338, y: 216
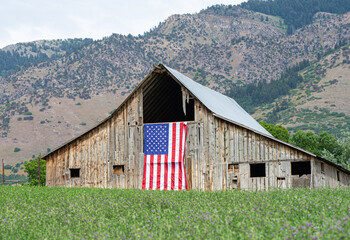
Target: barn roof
x: 221, y: 105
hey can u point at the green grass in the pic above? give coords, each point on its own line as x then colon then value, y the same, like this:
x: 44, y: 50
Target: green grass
x: 83, y: 213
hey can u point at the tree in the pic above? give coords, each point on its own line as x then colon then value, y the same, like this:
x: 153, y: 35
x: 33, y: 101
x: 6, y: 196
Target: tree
x: 325, y: 145
x: 341, y: 153
x: 277, y: 131
x: 32, y: 169
x: 306, y: 140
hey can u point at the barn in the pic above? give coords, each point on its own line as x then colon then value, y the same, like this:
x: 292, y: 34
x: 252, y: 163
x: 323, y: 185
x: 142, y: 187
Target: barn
x: 225, y: 148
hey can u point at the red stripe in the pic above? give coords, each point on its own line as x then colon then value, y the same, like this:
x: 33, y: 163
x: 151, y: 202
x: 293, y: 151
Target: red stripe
x: 183, y: 160
x: 173, y: 157
x: 158, y: 171
x: 166, y: 172
x: 180, y: 157
x: 144, y: 172
x: 151, y: 172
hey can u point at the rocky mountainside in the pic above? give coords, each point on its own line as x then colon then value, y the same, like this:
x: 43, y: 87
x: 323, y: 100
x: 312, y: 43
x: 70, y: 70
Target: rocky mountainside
x: 49, y: 102
x: 320, y: 102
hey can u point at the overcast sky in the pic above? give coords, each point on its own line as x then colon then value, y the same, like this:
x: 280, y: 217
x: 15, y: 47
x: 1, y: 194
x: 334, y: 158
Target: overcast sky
x: 29, y: 20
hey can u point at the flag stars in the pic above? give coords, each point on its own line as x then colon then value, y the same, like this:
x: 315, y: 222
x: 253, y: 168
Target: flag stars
x: 156, y: 139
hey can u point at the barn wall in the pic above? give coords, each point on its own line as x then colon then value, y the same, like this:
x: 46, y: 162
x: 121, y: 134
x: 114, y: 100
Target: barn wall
x: 219, y: 155
x: 328, y: 175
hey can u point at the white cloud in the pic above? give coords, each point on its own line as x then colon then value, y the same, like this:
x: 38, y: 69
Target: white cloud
x: 23, y: 20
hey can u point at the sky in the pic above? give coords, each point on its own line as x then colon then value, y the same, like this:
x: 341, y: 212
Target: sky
x: 30, y: 20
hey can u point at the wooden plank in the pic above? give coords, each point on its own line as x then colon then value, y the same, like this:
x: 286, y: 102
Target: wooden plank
x: 210, y: 146
x: 241, y: 145
x: 249, y: 146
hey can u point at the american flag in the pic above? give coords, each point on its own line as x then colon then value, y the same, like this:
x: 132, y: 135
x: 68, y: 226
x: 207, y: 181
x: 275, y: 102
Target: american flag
x: 164, y: 149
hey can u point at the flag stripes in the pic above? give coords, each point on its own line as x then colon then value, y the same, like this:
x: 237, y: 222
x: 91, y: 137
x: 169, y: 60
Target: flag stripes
x: 165, y: 171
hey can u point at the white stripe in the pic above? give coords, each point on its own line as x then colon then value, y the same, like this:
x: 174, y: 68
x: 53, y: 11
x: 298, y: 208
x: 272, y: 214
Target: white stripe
x: 162, y: 172
x: 182, y: 162
x: 148, y: 169
x: 155, y: 165
x: 177, y: 147
x: 169, y: 155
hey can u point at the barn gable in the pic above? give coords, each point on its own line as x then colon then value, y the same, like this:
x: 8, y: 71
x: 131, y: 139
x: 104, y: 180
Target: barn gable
x: 221, y: 105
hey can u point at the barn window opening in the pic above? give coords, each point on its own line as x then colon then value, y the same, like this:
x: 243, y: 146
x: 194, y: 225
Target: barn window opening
x: 301, y: 168
x: 118, y: 169
x: 338, y: 177
x: 257, y: 170
x: 74, y: 172
x: 164, y: 100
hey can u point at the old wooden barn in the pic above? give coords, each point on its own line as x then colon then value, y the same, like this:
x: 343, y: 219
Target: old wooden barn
x: 225, y: 147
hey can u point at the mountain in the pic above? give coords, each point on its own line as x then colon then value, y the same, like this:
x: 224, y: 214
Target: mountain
x: 297, y: 13
x: 46, y: 102
x: 320, y: 102
x: 23, y: 55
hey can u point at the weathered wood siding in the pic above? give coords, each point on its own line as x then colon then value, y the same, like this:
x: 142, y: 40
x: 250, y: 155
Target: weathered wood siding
x: 329, y: 176
x: 220, y: 153
x: 115, y: 142
x: 217, y: 157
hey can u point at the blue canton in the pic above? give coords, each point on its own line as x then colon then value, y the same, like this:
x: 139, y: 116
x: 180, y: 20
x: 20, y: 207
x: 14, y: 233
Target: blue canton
x: 156, y: 139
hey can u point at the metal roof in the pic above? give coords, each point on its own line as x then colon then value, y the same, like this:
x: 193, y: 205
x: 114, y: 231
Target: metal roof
x: 221, y: 105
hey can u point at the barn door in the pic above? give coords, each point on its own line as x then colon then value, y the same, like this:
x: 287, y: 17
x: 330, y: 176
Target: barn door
x: 195, y: 164
x: 233, y: 176
x: 281, y: 182
x: 283, y: 173
x: 132, y: 156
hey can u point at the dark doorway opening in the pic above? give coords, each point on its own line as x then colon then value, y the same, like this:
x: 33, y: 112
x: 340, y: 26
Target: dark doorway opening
x: 164, y: 101
x: 257, y: 170
x: 301, y: 168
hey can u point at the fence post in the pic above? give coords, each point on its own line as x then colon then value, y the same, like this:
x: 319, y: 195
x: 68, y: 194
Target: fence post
x: 39, y: 170
x: 3, y: 173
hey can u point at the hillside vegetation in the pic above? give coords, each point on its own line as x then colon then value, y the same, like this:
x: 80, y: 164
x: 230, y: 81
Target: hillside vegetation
x: 20, y: 56
x: 77, y: 213
x: 319, y: 102
x: 296, y: 13
x: 48, y: 100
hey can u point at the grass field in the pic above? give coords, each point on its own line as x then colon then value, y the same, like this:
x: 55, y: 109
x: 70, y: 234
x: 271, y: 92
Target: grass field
x: 82, y: 213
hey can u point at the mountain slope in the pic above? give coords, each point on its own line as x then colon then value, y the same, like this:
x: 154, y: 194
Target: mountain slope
x: 320, y: 102
x: 23, y: 55
x: 297, y: 13
x: 217, y: 50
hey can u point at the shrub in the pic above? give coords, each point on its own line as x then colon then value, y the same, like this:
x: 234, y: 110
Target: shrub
x: 7, y: 166
x: 17, y: 149
x: 31, y: 168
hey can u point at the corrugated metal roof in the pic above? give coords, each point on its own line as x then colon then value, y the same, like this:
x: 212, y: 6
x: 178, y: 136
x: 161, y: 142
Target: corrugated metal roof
x: 219, y: 104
